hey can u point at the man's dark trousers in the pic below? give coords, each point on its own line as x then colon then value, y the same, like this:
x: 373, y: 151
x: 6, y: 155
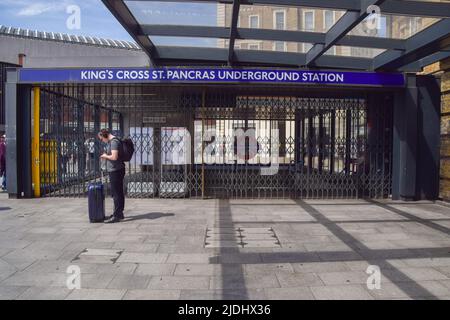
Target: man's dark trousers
x: 116, y: 179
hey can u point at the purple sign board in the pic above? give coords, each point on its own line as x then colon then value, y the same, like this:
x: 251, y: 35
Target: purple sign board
x: 210, y: 75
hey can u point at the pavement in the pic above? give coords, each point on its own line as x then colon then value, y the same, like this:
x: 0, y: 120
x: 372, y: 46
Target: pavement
x: 225, y: 249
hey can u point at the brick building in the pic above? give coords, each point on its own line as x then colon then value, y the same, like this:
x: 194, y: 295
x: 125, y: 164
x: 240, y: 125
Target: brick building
x: 442, y: 70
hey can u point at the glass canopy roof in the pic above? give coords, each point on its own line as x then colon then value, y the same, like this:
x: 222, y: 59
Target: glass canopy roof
x: 389, y: 35
x: 394, y: 26
x: 178, y: 13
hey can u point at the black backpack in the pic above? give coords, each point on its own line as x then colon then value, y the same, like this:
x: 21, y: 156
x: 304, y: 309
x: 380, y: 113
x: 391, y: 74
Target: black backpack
x: 126, y: 149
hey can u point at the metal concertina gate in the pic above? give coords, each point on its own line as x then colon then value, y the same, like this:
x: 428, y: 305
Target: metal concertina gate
x: 327, y: 147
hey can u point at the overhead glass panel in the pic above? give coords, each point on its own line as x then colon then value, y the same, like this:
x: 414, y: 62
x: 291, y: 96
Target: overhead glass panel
x: 287, y: 18
x: 393, y: 26
x: 359, y: 52
x: 279, y: 46
x: 181, y: 13
x: 187, y: 42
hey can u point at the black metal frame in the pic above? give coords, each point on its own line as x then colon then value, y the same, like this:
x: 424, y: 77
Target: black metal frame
x: 426, y: 47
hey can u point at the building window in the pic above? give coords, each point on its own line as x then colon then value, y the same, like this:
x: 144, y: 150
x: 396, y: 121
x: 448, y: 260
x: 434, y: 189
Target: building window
x: 307, y: 47
x: 382, y: 29
x: 308, y: 20
x: 308, y: 25
x: 253, y: 22
x: 360, y: 52
x: 253, y: 46
x: 414, y: 25
x: 279, y: 20
x: 328, y: 22
x: 279, y: 46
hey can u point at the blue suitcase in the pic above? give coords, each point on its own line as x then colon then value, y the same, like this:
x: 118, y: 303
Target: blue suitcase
x: 96, y: 202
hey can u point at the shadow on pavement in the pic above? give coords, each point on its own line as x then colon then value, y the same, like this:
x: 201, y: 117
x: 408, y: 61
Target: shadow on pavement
x: 359, y: 252
x: 407, y: 285
x: 409, y: 216
x: 232, y: 274
x: 150, y: 216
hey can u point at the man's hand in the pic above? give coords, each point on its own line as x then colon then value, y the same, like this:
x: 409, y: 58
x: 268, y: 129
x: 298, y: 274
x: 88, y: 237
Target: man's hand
x: 113, y: 157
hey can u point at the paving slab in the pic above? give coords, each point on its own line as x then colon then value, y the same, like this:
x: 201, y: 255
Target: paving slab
x: 94, y: 259
x: 345, y: 277
x: 189, y: 258
x: 231, y: 281
x: 136, y: 247
x: 223, y: 237
x: 179, y: 282
x: 319, y: 267
x: 298, y: 279
x: 292, y: 293
x: 423, y: 274
x: 11, y: 292
x: 96, y: 294
x: 268, y: 268
x: 138, y: 257
x: 413, y: 290
x: 155, y: 269
x: 101, y: 252
x: 140, y: 294
x: 224, y: 294
x: 6, y: 270
x: 349, y: 292
x: 212, y: 231
x: 234, y: 258
x: 261, y: 243
x: 134, y: 281
x: 223, y: 243
x: 193, y: 269
x: 95, y: 280
x: 258, y: 236
x: 35, y: 279
x: 266, y: 231
x: 44, y: 293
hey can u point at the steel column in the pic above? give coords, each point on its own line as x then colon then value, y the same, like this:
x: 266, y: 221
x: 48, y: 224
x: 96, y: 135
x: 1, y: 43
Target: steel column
x: 17, y: 115
x: 405, y: 142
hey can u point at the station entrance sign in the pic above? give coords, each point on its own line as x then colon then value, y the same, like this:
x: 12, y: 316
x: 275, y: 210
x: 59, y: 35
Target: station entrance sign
x: 210, y: 75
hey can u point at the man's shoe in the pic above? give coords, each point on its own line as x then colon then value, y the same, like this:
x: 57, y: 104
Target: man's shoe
x: 108, y: 217
x: 112, y: 220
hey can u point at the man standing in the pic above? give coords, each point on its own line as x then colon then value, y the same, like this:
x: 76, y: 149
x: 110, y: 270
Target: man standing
x: 116, y: 170
x: 3, y: 161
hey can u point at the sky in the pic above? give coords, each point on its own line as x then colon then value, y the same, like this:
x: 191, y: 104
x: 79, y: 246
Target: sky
x: 95, y: 18
x: 51, y: 15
